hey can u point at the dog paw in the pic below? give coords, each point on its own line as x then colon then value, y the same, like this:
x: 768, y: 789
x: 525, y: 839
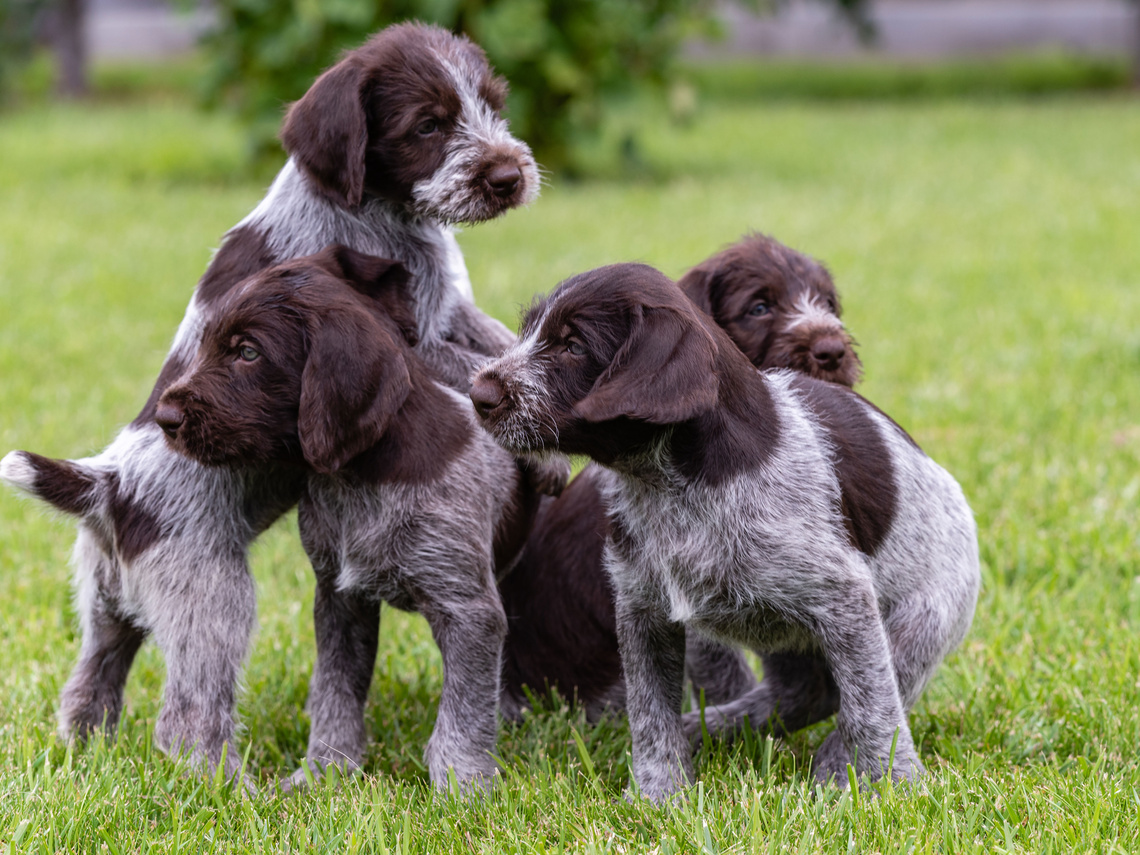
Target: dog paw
x: 833, y: 758
x: 547, y: 476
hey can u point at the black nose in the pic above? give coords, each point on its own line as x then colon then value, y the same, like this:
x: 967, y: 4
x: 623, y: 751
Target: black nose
x: 828, y: 352
x: 169, y: 417
x: 487, y: 395
x: 503, y: 179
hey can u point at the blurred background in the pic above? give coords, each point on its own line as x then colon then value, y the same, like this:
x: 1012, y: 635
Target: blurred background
x: 575, y: 67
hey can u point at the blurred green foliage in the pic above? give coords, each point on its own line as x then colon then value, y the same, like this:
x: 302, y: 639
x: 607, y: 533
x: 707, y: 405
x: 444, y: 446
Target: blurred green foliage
x: 18, y: 20
x: 569, y: 62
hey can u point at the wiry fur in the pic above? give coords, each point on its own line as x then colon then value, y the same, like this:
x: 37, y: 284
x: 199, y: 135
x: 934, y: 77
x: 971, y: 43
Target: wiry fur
x: 757, y: 508
x: 408, y: 501
x: 163, y: 540
x: 779, y: 307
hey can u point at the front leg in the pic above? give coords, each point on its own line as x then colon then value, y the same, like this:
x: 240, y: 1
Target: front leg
x: 471, y: 339
x: 870, y: 716
x: 470, y: 635
x: 347, y: 626
x: 473, y: 330
x: 653, y: 658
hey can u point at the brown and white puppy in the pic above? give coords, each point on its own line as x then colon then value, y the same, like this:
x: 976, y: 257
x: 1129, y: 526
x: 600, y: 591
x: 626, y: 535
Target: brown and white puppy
x: 781, y: 309
x: 407, y: 501
x: 759, y: 508
x: 388, y: 148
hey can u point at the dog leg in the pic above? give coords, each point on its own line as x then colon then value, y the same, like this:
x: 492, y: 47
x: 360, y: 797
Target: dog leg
x: 719, y: 671
x: 470, y: 636
x: 203, y: 628
x: 870, y: 717
x: 653, y: 657
x: 347, y: 626
x: 471, y: 329
x: 797, y: 690
x: 93, y: 695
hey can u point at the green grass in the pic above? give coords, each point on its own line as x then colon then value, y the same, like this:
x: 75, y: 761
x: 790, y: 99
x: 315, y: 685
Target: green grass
x: 989, y: 259
x: 1033, y: 73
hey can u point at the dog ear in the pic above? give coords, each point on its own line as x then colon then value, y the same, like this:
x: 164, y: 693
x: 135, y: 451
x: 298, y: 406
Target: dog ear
x: 664, y: 372
x: 383, y: 280
x: 698, y: 286
x: 327, y: 132
x: 354, y: 381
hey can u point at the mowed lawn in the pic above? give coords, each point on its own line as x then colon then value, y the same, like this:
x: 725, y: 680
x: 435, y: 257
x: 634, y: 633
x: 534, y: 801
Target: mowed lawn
x: 988, y: 255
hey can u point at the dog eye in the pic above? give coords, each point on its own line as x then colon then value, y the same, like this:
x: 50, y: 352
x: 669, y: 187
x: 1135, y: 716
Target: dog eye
x: 427, y: 127
x: 248, y: 353
x: 758, y: 310
x: 575, y: 347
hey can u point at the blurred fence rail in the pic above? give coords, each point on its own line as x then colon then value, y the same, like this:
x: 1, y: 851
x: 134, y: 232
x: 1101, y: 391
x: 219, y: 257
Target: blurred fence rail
x: 806, y: 28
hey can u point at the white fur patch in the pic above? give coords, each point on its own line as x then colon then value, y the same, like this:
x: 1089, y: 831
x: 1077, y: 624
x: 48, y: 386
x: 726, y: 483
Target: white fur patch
x: 811, y: 310
x: 17, y: 471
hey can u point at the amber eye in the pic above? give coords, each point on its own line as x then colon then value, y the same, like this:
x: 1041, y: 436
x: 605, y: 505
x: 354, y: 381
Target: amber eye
x: 759, y: 310
x: 248, y: 353
x: 427, y: 127
x: 575, y: 347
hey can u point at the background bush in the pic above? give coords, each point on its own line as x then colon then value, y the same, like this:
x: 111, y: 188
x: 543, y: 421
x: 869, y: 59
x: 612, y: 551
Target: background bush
x: 569, y: 62
x: 18, y: 21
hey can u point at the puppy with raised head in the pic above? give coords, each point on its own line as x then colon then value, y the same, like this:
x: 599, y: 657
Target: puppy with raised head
x: 390, y: 146
x: 760, y: 508
x: 781, y: 309
x: 407, y: 501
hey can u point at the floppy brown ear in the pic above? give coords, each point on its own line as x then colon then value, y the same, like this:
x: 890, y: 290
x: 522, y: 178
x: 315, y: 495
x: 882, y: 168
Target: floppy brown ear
x: 354, y: 381
x: 327, y: 132
x: 382, y: 279
x: 698, y: 286
x: 663, y: 373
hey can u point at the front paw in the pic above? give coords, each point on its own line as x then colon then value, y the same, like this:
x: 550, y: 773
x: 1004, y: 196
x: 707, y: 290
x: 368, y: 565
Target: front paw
x: 832, y: 759
x: 547, y: 476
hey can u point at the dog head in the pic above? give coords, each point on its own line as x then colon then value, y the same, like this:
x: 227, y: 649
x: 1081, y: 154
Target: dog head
x: 414, y: 117
x: 302, y: 362
x: 600, y: 365
x: 779, y: 306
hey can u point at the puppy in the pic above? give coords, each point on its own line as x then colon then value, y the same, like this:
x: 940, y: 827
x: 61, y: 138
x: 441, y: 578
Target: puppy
x: 782, y: 310
x: 392, y: 144
x: 407, y: 501
x: 765, y: 509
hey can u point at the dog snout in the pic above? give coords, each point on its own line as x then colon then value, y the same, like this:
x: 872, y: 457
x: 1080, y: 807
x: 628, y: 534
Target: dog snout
x: 169, y: 416
x: 828, y: 352
x: 487, y: 395
x: 503, y: 179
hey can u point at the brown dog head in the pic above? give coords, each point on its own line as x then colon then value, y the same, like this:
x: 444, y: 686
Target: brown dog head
x: 620, y: 346
x: 779, y: 306
x: 413, y: 117
x: 302, y: 362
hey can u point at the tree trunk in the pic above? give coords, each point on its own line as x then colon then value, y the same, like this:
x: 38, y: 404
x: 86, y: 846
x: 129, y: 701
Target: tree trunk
x: 69, y: 43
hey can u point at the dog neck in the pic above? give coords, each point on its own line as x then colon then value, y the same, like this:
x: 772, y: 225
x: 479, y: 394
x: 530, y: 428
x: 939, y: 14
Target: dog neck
x: 295, y: 219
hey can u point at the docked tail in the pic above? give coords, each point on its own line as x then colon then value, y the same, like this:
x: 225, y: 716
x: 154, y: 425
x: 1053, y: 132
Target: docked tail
x: 64, y: 484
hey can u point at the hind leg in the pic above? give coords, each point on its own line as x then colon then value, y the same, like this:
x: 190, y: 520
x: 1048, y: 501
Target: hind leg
x: 202, y: 623
x: 93, y: 695
x: 719, y: 671
x: 797, y: 690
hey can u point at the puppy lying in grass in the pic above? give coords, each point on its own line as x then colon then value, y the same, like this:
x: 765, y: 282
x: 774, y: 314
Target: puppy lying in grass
x: 781, y: 309
x: 764, y: 509
x: 407, y: 500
